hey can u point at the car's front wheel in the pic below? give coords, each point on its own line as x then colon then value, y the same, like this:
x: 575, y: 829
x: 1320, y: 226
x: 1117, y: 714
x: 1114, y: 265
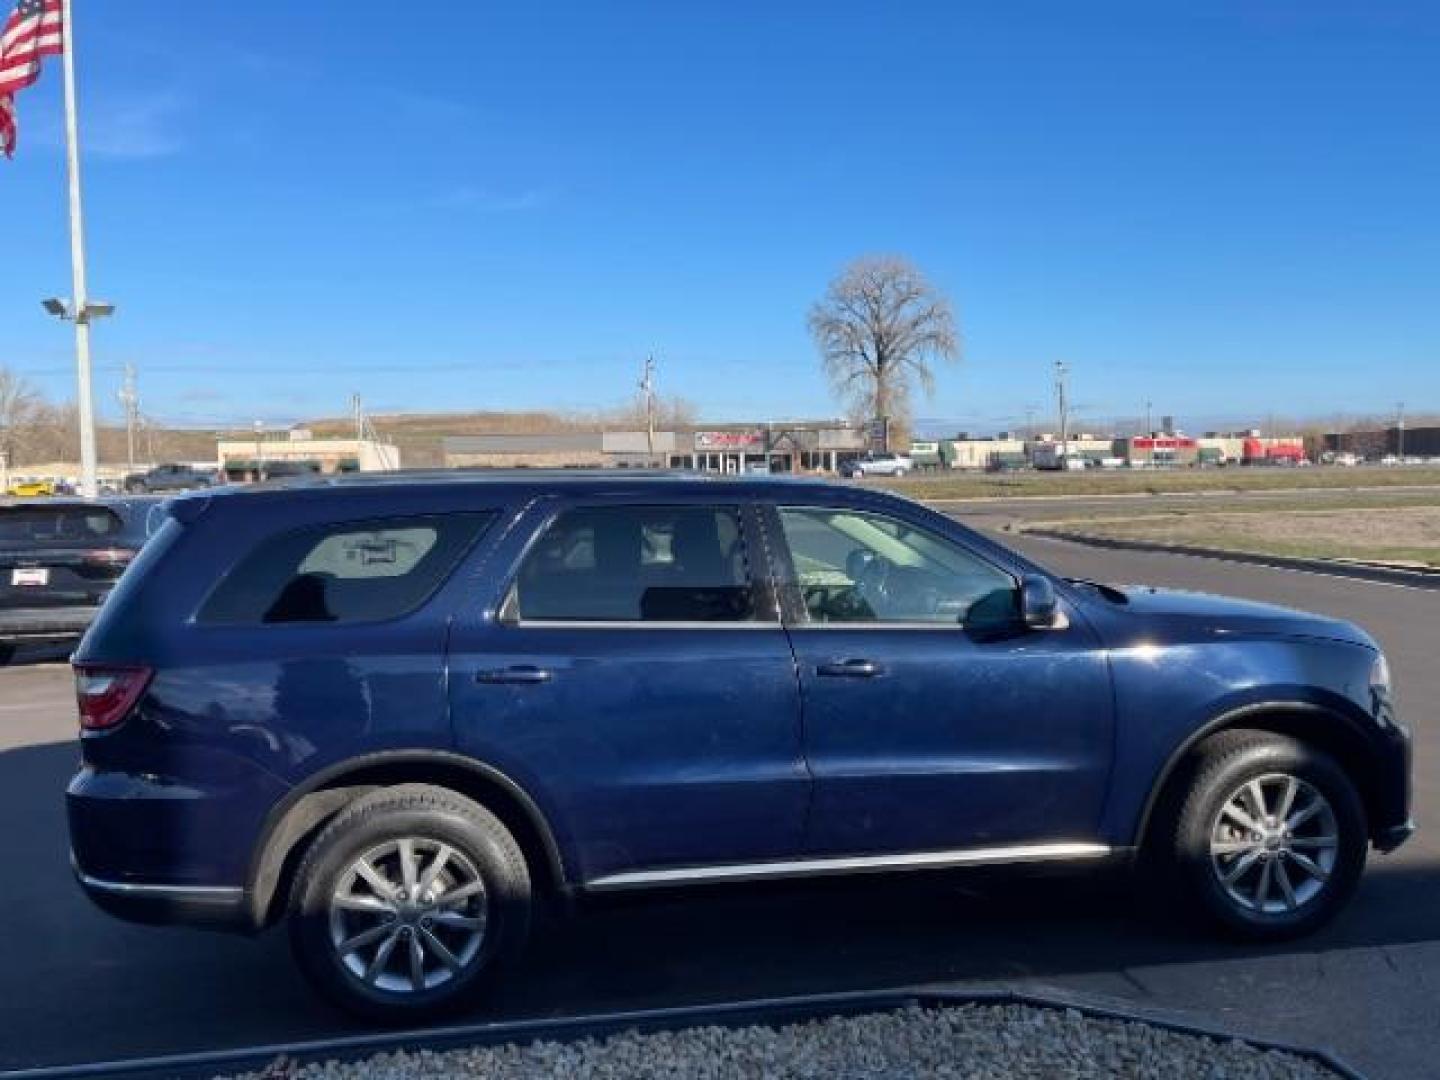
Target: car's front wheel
x: 1270, y: 839
x: 407, y: 901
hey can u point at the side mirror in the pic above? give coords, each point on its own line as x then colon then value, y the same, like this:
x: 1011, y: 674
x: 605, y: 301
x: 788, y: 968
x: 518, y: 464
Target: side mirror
x: 1039, y: 607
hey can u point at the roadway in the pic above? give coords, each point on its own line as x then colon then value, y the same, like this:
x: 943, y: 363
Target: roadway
x: 76, y: 986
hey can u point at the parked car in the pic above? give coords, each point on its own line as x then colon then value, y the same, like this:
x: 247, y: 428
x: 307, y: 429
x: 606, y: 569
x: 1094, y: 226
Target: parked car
x: 58, y: 561
x: 168, y: 478
x: 878, y: 465
x: 31, y: 489
x: 404, y: 713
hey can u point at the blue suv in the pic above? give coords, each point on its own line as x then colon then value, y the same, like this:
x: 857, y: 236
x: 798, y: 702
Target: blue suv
x: 397, y: 713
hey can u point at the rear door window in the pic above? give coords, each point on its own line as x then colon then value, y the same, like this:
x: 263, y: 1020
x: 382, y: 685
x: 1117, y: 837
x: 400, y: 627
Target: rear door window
x: 638, y: 564
x: 346, y: 572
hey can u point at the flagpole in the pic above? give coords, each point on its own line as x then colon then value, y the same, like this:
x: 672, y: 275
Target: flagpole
x: 80, y: 301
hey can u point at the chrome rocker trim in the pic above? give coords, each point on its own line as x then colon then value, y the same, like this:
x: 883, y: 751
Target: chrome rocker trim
x: 799, y: 868
x: 211, y: 893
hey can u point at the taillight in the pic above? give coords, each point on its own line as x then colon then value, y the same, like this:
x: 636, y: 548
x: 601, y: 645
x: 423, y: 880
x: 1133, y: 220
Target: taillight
x: 105, y: 563
x: 109, y: 556
x: 107, y: 693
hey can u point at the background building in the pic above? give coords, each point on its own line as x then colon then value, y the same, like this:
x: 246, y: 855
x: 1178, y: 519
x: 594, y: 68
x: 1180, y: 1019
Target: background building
x: 296, y: 452
x: 1380, y: 442
x: 788, y: 446
x: 967, y: 453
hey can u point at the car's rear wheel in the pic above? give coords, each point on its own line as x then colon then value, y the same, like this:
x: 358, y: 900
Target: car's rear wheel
x: 407, y: 902
x: 1270, y: 840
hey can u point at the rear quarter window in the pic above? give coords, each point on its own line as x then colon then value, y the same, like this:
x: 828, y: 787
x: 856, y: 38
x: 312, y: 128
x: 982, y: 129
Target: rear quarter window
x: 344, y: 572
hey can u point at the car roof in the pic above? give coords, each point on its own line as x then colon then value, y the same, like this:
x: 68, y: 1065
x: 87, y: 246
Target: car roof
x: 533, y: 482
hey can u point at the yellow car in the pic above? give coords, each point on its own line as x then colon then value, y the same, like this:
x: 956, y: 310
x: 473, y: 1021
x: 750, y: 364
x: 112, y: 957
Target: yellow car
x: 32, y: 488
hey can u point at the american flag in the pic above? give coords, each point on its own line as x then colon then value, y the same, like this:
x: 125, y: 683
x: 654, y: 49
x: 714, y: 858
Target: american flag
x: 35, y: 30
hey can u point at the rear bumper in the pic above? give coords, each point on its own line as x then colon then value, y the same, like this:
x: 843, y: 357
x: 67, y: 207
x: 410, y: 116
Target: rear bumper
x: 156, y: 904
x: 153, y: 850
x: 45, y: 624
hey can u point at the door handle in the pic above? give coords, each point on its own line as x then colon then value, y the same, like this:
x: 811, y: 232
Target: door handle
x: 849, y: 669
x: 523, y: 674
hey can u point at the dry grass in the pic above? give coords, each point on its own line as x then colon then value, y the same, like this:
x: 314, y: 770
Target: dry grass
x: 1389, y: 534
x: 1141, y: 482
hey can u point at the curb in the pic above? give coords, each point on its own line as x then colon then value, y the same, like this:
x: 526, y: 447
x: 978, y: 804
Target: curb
x: 1387, y: 575
x: 766, y: 1012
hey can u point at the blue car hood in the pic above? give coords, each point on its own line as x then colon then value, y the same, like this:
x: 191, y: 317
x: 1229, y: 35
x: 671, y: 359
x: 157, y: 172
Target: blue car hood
x: 1193, y: 615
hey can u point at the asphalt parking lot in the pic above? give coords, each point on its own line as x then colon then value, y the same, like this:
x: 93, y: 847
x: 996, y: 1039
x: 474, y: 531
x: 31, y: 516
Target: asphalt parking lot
x: 77, y: 986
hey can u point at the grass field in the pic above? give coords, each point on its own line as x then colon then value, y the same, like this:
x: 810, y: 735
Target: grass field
x: 1402, y: 531
x: 942, y: 486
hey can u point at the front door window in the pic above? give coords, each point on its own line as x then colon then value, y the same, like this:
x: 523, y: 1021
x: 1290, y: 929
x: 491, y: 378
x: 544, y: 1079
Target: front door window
x: 858, y: 567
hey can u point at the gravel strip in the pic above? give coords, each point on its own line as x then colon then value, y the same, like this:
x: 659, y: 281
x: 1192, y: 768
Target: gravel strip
x: 979, y: 1041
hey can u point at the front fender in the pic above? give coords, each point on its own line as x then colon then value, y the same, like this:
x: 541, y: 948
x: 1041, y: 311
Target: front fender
x: 1169, y: 698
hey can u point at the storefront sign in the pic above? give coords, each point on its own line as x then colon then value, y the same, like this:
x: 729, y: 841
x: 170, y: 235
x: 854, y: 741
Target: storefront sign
x: 730, y: 441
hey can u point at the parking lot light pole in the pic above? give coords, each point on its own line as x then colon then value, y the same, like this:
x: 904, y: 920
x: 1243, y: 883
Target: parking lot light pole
x: 82, y: 314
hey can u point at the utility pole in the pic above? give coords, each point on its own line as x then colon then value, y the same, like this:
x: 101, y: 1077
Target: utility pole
x: 359, y: 415
x: 130, y: 401
x: 1060, y: 373
x: 1400, y: 430
x: 1150, y: 431
x: 647, y: 390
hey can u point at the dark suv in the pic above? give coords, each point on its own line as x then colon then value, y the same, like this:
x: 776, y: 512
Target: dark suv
x: 399, y: 712
x: 59, y: 558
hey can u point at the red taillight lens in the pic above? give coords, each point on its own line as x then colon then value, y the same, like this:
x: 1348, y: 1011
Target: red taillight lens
x: 107, y: 693
x: 109, y: 557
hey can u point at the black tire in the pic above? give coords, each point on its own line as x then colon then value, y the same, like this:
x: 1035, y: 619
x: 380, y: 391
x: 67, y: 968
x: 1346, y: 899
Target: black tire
x: 425, y: 814
x: 1222, y: 766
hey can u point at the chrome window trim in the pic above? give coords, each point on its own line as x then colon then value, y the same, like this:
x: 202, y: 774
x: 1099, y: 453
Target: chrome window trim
x: 799, y: 868
x: 639, y: 624
x: 1062, y: 622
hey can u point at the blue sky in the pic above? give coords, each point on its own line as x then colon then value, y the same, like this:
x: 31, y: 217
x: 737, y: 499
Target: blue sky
x: 1230, y: 209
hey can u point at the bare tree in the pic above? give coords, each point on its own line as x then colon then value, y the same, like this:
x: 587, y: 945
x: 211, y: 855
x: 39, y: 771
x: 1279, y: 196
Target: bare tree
x: 879, y: 328
x: 18, y: 405
x: 671, y: 413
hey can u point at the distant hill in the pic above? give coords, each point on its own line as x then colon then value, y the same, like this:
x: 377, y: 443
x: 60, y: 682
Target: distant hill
x: 419, y: 435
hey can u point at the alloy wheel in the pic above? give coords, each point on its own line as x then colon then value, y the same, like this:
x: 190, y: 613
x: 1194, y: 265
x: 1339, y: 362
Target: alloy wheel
x: 408, y: 915
x: 1274, y: 844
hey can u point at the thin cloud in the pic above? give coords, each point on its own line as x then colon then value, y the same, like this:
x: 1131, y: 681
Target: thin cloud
x: 419, y: 106
x: 485, y: 201
x: 125, y: 129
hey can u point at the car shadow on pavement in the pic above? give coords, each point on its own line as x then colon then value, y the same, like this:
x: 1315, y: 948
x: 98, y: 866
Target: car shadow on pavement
x: 173, y: 990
